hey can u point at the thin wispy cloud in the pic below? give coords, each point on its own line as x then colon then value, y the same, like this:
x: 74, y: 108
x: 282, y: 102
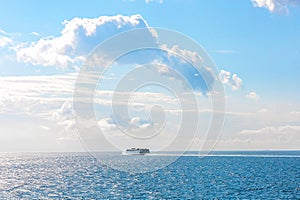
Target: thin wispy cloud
x: 156, y: 1
x: 271, y: 131
x: 224, y: 51
x: 35, y: 34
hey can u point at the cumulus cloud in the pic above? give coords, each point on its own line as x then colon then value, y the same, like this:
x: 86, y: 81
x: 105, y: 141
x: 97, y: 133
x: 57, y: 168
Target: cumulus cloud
x: 183, y: 62
x: 78, y: 37
x: 64, y: 115
x: 5, y: 38
x: 233, y: 81
x: 161, y: 67
x: 274, y: 5
x: 186, y: 54
x: 4, y: 41
x: 252, y: 95
x: 138, y: 122
x: 107, y: 124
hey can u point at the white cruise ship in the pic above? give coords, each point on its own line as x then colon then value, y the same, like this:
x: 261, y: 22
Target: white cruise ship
x: 136, y: 151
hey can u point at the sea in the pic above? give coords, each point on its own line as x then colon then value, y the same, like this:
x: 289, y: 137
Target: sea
x: 218, y: 175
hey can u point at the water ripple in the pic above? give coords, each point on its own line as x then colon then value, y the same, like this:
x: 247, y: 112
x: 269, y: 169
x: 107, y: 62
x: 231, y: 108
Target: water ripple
x: 79, y: 176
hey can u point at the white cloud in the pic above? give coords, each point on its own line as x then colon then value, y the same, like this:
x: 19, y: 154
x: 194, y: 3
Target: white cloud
x: 224, y: 51
x: 295, y: 112
x: 79, y: 36
x: 274, y: 5
x: 64, y: 113
x: 273, y: 131
x: 237, y: 82
x: 269, y: 4
x: 35, y: 95
x: 41, y: 96
x: 65, y: 116
x: 263, y: 110
x: 233, y: 81
x: 138, y: 122
x: 269, y: 137
x: 50, y: 98
x: 186, y: 54
x: 107, y: 124
x: 183, y: 62
x: 35, y: 33
x: 161, y: 67
x: 134, y: 123
x: 252, y: 95
x: 4, y: 41
x: 46, y: 128
x: 158, y: 1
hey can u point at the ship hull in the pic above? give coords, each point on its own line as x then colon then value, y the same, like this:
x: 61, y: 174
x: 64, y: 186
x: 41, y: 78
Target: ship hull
x: 136, y: 151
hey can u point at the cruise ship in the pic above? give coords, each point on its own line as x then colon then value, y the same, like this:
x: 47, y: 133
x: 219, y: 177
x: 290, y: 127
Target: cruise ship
x: 136, y: 151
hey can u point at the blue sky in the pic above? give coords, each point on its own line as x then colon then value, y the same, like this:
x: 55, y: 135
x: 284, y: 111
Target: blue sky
x: 256, y: 40
x: 259, y: 40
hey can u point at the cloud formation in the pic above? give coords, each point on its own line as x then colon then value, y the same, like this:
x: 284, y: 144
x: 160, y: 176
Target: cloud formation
x: 107, y: 124
x: 233, y: 81
x: 285, y: 136
x: 271, y: 130
x: 158, y: 1
x: 64, y: 113
x: 252, y: 95
x: 183, y: 62
x: 4, y: 41
x: 38, y: 96
x: 134, y: 123
x: 274, y: 5
x: 5, y: 38
x: 65, y: 116
x: 138, y: 122
x: 78, y: 37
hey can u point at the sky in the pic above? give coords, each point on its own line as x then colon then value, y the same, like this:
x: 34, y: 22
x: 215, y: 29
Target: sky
x: 254, y: 44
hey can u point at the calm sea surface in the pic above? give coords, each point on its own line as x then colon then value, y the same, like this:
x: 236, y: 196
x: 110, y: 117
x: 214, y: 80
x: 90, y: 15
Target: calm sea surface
x: 222, y: 175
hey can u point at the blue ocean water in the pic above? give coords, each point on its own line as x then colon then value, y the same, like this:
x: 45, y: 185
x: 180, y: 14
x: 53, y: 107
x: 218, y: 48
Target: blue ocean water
x: 221, y: 175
